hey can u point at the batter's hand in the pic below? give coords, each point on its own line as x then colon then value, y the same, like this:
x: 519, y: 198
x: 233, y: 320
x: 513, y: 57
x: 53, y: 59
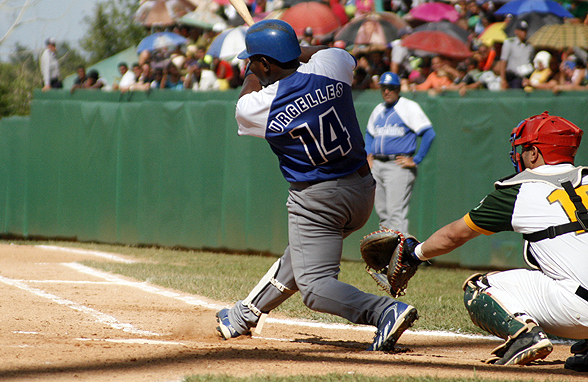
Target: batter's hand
x: 405, y: 162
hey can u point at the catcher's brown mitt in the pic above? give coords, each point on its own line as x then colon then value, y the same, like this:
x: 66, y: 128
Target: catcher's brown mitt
x: 388, y: 261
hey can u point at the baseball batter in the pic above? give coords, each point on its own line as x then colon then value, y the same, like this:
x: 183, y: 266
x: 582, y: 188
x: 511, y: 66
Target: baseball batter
x: 545, y: 201
x: 305, y: 112
x: 391, y: 144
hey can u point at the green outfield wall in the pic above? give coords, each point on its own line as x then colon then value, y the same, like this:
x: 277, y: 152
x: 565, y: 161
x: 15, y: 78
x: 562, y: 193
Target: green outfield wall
x: 168, y: 168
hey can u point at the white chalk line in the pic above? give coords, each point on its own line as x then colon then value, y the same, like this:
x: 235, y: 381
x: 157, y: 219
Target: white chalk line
x: 144, y: 286
x: 98, y: 316
x: 104, y: 255
x: 139, y: 341
x: 292, y: 322
x: 81, y: 282
x: 197, y: 302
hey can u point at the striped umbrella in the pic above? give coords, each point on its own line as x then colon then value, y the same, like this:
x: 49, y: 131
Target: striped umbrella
x: 561, y: 36
x: 371, y: 29
x: 229, y: 43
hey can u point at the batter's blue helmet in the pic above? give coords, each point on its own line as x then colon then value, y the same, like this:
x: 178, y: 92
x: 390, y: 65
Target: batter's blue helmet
x: 272, y: 38
x: 390, y: 78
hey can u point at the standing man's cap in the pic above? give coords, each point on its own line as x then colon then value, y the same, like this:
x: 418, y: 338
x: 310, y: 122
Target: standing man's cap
x: 50, y: 41
x: 522, y: 25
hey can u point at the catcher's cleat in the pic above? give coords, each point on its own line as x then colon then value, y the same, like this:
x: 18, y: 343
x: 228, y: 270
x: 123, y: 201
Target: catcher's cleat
x: 224, y: 327
x: 392, y: 323
x: 527, y: 347
x: 580, y: 347
x: 579, y: 361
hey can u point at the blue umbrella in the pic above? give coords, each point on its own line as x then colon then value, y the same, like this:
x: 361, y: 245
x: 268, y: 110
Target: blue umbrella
x: 517, y: 7
x: 160, y: 40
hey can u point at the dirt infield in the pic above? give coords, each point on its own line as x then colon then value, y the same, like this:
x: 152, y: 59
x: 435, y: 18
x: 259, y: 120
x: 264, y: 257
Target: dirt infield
x: 62, y: 321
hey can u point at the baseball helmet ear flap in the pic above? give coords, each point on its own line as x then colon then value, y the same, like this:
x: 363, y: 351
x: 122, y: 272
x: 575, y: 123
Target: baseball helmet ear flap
x: 271, y: 38
x: 557, y: 138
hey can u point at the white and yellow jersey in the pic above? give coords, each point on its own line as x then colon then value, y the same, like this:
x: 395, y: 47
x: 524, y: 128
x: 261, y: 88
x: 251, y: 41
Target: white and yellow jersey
x: 533, y: 201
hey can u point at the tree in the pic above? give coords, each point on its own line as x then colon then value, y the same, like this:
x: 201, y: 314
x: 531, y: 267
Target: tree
x: 111, y: 29
x: 18, y: 79
x: 18, y: 19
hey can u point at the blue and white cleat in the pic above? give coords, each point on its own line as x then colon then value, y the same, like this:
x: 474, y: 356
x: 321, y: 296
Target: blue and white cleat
x: 224, y: 327
x: 392, y: 323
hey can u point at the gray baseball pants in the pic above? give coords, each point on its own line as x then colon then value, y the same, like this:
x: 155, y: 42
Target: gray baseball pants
x: 393, y: 191
x: 320, y: 216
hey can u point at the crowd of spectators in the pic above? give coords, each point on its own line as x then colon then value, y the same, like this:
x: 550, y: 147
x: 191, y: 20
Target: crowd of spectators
x: 510, y: 64
x: 498, y: 65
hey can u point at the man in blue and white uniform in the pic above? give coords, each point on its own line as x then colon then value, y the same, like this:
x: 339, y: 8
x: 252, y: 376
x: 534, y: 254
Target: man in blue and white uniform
x: 391, y: 144
x: 305, y: 112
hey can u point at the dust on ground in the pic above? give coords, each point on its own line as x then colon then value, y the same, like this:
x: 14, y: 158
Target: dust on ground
x: 61, y: 321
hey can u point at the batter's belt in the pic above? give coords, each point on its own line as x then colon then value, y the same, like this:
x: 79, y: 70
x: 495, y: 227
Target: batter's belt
x: 362, y: 171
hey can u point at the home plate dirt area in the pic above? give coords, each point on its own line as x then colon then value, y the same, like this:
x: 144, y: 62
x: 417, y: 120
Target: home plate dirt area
x: 61, y: 321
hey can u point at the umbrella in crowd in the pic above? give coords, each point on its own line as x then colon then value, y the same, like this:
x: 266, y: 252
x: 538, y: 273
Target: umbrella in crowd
x: 561, y: 36
x: 493, y: 33
x: 535, y: 21
x: 437, y: 42
x: 227, y: 2
x: 518, y: 7
x: 160, y: 40
x: 371, y: 29
x: 434, y: 12
x: 162, y: 12
x: 446, y: 27
x: 203, y: 19
x: 228, y: 44
x: 318, y: 16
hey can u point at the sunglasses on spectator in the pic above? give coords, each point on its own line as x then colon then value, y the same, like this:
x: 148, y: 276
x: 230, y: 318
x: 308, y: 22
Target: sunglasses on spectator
x: 391, y: 88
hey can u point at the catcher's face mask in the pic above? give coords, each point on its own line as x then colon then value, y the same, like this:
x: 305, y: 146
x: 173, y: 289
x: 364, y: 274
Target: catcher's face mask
x: 515, y: 157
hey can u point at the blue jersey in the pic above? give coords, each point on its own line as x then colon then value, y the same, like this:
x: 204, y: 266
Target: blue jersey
x: 393, y: 130
x: 309, y: 120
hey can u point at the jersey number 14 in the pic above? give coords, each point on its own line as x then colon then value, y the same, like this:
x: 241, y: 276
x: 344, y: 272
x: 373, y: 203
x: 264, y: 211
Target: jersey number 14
x: 333, y: 140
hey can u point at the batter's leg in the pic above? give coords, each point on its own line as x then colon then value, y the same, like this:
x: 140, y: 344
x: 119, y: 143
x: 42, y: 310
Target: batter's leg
x: 275, y: 287
x: 319, y: 218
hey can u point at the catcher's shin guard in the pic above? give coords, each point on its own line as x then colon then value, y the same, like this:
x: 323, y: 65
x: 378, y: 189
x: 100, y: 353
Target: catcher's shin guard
x: 487, y: 312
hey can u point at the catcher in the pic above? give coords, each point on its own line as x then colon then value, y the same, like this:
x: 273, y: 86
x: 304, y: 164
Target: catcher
x: 545, y: 201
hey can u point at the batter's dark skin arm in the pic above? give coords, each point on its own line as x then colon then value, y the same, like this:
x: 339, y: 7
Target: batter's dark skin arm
x: 308, y: 51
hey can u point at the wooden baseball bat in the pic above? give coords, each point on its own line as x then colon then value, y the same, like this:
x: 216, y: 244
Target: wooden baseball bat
x: 243, y: 11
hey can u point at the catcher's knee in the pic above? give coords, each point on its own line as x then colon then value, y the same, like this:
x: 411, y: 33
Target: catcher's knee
x: 486, y: 311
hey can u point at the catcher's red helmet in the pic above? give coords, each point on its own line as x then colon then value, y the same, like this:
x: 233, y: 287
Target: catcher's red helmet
x: 556, y: 137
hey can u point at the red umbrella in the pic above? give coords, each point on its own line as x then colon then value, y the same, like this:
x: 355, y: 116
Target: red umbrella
x: 339, y: 11
x: 318, y: 16
x: 434, y: 12
x: 437, y: 42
